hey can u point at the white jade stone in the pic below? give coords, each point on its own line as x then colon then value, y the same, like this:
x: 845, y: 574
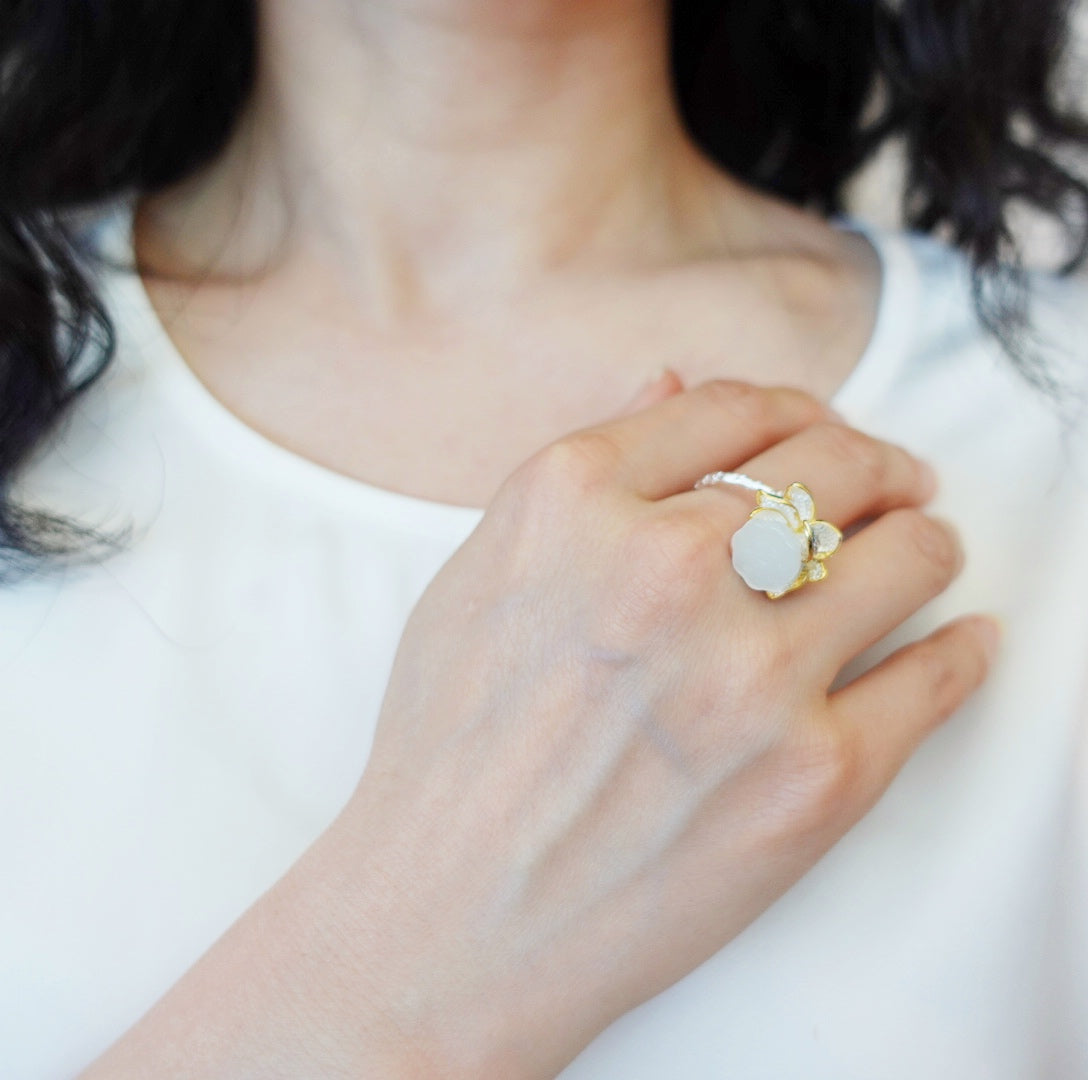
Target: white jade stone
x: 767, y: 553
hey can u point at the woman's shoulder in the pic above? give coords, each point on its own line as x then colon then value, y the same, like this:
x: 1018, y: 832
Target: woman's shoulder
x: 954, y: 304
x: 951, y: 335
x: 938, y: 379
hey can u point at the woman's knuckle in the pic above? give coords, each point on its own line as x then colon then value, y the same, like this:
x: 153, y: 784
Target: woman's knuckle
x: 830, y: 765
x: 576, y: 464
x: 755, y: 676
x: 678, y: 549
x: 819, y: 775
x: 667, y: 564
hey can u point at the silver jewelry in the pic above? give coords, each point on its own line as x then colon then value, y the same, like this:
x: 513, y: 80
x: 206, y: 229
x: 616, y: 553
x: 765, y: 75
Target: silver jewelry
x: 739, y: 479
x: 782, y: 545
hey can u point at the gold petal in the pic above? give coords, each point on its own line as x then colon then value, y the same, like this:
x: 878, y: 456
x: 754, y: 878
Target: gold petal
x: 796, y: 584
x: 816, y: 571
x: 825, y: 539
x: 802, y: 499
x: 783, y: 506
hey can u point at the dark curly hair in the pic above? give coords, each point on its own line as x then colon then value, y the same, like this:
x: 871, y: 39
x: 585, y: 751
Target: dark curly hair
x: 790, y: 95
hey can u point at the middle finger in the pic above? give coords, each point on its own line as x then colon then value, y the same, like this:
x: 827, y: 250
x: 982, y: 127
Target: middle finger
x: 852, y: 476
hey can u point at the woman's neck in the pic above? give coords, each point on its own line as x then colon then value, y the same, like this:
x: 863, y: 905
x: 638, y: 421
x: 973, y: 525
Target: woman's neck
x: 472, y: 226
x: 430, y: 149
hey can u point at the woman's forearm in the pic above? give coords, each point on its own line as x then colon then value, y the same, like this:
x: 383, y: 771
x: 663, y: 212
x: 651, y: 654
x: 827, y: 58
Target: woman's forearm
x: 281, y: 994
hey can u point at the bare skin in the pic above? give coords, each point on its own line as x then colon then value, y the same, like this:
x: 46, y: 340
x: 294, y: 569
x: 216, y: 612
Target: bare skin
x: 597, y: 778
x: 442, y: 276
x: 450, y: 236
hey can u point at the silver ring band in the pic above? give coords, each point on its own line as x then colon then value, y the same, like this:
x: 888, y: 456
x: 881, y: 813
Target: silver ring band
x: 739, y: 480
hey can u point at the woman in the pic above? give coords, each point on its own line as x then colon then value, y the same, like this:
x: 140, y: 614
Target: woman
x: 397, y: 267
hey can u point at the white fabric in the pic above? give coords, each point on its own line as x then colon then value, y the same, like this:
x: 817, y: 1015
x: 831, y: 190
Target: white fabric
x: 181, y: 721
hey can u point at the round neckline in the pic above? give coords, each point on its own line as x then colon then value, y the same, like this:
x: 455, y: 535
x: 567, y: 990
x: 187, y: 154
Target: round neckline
x: 882, y: 359
x: 231, y: 435
x: 862, y: 388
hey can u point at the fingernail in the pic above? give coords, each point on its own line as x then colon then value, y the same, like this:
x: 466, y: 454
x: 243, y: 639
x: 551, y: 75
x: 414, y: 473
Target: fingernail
x: 647, y: 388
x: 992, y: 631
x: 953, y: 534
x: 930, y: 479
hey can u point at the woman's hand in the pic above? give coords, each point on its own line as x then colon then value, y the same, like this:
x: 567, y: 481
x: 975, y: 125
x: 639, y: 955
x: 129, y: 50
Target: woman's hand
x: 601, y: 755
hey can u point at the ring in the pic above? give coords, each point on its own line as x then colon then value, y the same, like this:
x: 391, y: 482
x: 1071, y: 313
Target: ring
x: 782, y: 545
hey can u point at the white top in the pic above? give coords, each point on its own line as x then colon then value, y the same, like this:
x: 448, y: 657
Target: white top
x: 179, y: 723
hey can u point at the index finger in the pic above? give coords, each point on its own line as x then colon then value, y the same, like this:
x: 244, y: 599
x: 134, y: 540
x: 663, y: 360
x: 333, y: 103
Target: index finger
x: 666, y: 448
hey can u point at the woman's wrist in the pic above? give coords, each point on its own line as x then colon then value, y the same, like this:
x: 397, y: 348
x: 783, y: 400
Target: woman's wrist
x: 288, y: 991
x: 356, y: 939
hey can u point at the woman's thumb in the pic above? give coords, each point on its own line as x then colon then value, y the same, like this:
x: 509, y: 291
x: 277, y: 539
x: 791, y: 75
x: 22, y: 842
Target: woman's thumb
x: 663, y: 385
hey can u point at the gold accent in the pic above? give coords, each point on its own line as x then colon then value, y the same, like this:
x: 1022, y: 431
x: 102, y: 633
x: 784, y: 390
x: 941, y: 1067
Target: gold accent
x: 798, y: 508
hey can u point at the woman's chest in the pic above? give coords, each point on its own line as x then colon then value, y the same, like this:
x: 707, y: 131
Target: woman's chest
x: 445, y: 408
